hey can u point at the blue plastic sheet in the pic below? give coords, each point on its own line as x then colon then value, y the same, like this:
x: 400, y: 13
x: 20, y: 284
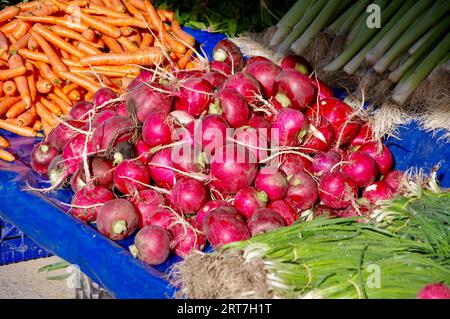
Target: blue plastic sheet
x: 108, y: 263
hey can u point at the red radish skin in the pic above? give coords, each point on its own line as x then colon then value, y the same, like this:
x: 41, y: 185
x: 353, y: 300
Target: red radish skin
x: 259, y: 121
x: 434, y: 291
x: 244, y: 84
x: 57, y: 170
x: 352, y: 211
x: 163, y: 177
x: 131, y: 176
x: 291, y: 164
x: 264, y: 220
x: 303, y: 191
x: 102, y: 117
x: 189, y: 195
x: 227, y: 51
x: 290, y: 126
x: 143, y: 151
x: 143, y: 77
x: 82, y: 110
x: 378, y: 191
x: 121, y: 109
x: 151, y: 245
x: 221, y: 67
x: 257, y: 58
x: 162, y: 217
x: 209, y: 133
x: 104, y: 97
x: 365, y: 135
x: 41, y: 156
x: 296, y: 62
x: 253, y: 140
x: 102, y: 172
x: 248, y: 200
x: 145, y: 99
x: 337, y: 190
x: 323, y: 90
x: 156, y: 130
x: 293, y: 89
x: 232, y: 169
x: 225, y: 225
x: 265, y: 73
x: 320, y: 210
x: 190, y: 162
x: 73, y: 152
x: 85, y: 202
x: 272, y: 182
x: 209, y: 207
x: 62, y: 134
x: 113, y: 131
x: 117, y: 219
x: 320, y: 137
x: 381, y: 154
x: 216, y: 79
x: 146, y: 202
x: 194, y: 96
x: 361, y: 167
x: 285, y: 210
x: 393, y: 179
x: 77, y: 182
x: 232, y: 106
x: 187, y: 236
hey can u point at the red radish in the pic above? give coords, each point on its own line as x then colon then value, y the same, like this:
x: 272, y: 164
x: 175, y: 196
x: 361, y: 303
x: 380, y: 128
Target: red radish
x: 131, y: 176
x: 380, y: 153
x: 227, y: 51
x: 186, y: 159
x: 146, y: 202
x: 273, y: 182
x: 74, y: 150
x: 86, y: 200
x: 291, y: 164
x: 221, y: 67
x: 225, y: 225
x: 78, y: 181
x: 156, y: 130
x: 378, y: 191
x: 302, y: 192
x: 365, y: 135
x: 194, y: 96
x: 143, y: 151
x: 216, y: 79
x: 57, y: 170
x: 296, y: 62
x: 41, y: 156
x: 337, y: 190
x: 103, y: 97
x: 254, y: 140
x: 434, y: 291
x: 264, y: 220
x: 211, y: 132
x: 189, y: 195
x: 122, y: 151
x: 248, y: 200
x: 102, y: 117
x: 293, y: 89
x: 209, y: 207
x: 151, y: 245
x: 163, y: 177
x: 361, y: 168
x: 259, y: 121
x: 286, y: 210
x: 121, y: 109
x: 244, y: 84
x: 232, y: 106
x: 323, y: 90
x: 265, y: 72
x: 257, y: 58
x: 82, y: 110
x: 62, y: 134
x: 233, y: 168
x: 320, y: 137
x: 353, y: 211
x: 393, y: 179
x: 102, y: 172
x: 290, y: 126
x: 187, y: 236
x: 324, y: 210
x: 162, y: 217
x: 149, y: 98
x: 113, y: 131
x: 188, y: 74
x: 117, y: 219
x: 143, y: 77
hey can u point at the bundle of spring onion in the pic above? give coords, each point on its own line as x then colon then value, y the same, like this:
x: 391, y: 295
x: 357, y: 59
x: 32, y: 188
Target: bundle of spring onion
x: 411, y: 40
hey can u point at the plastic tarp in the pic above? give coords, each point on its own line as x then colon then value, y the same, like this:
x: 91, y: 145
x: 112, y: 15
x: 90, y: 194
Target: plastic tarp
x: 42, y: 217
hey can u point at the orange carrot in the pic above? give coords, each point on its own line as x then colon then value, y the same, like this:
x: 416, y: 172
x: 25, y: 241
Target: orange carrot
x: 136, y: 12
x: 140, y: 4
x: 64, y: 54
x: 28, y: 6
x: 136, y: 38
x: 127, y: 31
x: 89, y: 85
x: 3, y: 142
x: 7, y: 102
x: 7, y: 156
x: 21, y: 29
x: 10, y: 26
x: 185, y: 59
x: 89, y: 96
x: 56, y: 40
x: 153, y: 17
x: 3, y: 42
x: 31, y: 80
x: 128, y: 45
x: 147, y: 56
x: 15, y: 110
x: 122, y: 82
x: 93, y: 73
x: 65, y: 107
x: 117, y: 5
x: 37, y: 126
x: 9, y: 13
x: 52, y: 107
x: 10, y: 88
x: 27, y: 118
x: 112, y: 44
x: 33, y: 55
x: 32, y: 44
x: 47, y: 128
x: 1, y: 88
x: 45, y: 114
x: 125, y: 22
x: 22, y: 43
x: 173, y: 43
x: 169, y: 15
x: 181, y: 34
x: 88, y: 49
x: 12, y: 73
x: 59, y: 92
x: 71, y: 34
x: 74, y: 95
x: 68, y: 88
x: 95, y: 9
x: 54, y: 59
x: 43, y: 86
x: 55, y: 20
x: 89, y: 35
x: 47, y: 73
x: 46, y: 9
x: 147, y: 40
x: 16, y: 61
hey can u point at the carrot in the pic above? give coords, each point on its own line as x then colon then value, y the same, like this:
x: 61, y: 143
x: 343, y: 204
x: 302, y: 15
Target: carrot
x: 9, y: 13
x: 59, y: 92
x: 15, y: 110
x: 3, y: 142
x: 54, y: 59
x: 7, y: 156
x: 136, y: 12
x: 140, y: 4
x: 37, y: 126
x: 93, y: 73
x: 47, y: 128
x: 21, y: 29
x: 122, y: 82
x: 3, y: 42
x: 71, y: 34
x: 16, y: 61
x: 190, y: 65
x: 52, y: 107
x: 89, y: 35
x: 28, y: 6
x: 43, y: 86
x: 12, y: 73
x: 89, y: 85
x: 136, y: 38
x: 10, y: 88
x: 27, y: 118
x: 22, y: 43
x: 64, y: 54
x: 185, y: 59
x: 33, y: 55
x: 10, y: 26
x: 125, y: 22
x: 68, y: 88
x: 147, y: 41
x: 169, y: 15
x: 99, y: 10
x: 74, y: 95
x: 153, y: 17
x: 47, y: 73
x: 32, y: 44
x: 173, y: 43
x: 45, y: 9
x: 117, y: 5
x: 88, y: 49
x: 181, y: 34
x: 55, y: 20
x: 147, y: 56
x: 14, y: 128
x: 31, y: 80
x: 112, y: 44
x: 127, y: 31
x: 128, y: 45
x: 56, y: 40
x: 65, y: 107
x: 45, y: 114
x: 89, y: 96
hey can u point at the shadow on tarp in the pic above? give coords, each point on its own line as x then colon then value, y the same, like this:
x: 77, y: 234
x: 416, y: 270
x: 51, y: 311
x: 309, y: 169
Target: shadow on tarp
x: 43, y: 219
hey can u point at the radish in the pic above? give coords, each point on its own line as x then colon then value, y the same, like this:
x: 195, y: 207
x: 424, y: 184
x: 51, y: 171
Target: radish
x: 378, y: 191
x: 286, y: 210
x: 244, y: 84
x: 187, y: 160
x: 290, y: 126
x: 323, y: 90
x: 264, y: 220
x: 365, y: 135
x: 148, y: 98
x: 57, y: 170
x: 272, y: 182
x: 102, y: 117
x: 121, y: 109
x: 78, y: 181
x: 162, y: 217
x: 209, y: 207
x: 62, y: 134
x: 216, y: 79
x: 101, y: 170
x: 103, y: 96
x: 259, y: 121
x: 320, y: 210
x: 291, y: 164
x: 296, y: 62
x: 41, y: 156
x: 151, y: 245
x: 380, y: 153
x: 74, y: 150
x: 86, y: 200
x: 434, y: 291
x: 143, y: 77
x: 265, y: 72
x: 163, y: 177
x: 225, y: 225
x: 123, y: 151
x: 248, y: 200
x: 293, y: 89
x: 211, y: 132
x: 117, y: 219
x: 302, y: 192
x: 393, y: 179
x: 233, y: 106
x: 353, y: 211
x: 156, y: 130
x: 254, y: 140
x: 111, y: 132
x: 227, y: 51
x: 189, y: 195
x: 337, y: 190
x: 194, y: 96
x: 361, y: 168
x: 257, y: 58
x: 147, y: 202
x: 233, y: 168
x: 221, y: 67
x: 143, y: 151
x: 187, y: 236
x: 81, y: 111
x: 131, y: 176
x: 320, y: 137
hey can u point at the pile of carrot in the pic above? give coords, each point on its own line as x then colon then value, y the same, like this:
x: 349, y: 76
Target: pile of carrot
x: 54, y: 53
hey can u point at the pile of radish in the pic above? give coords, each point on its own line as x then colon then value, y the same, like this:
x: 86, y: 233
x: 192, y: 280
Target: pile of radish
x: 215, y: 155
